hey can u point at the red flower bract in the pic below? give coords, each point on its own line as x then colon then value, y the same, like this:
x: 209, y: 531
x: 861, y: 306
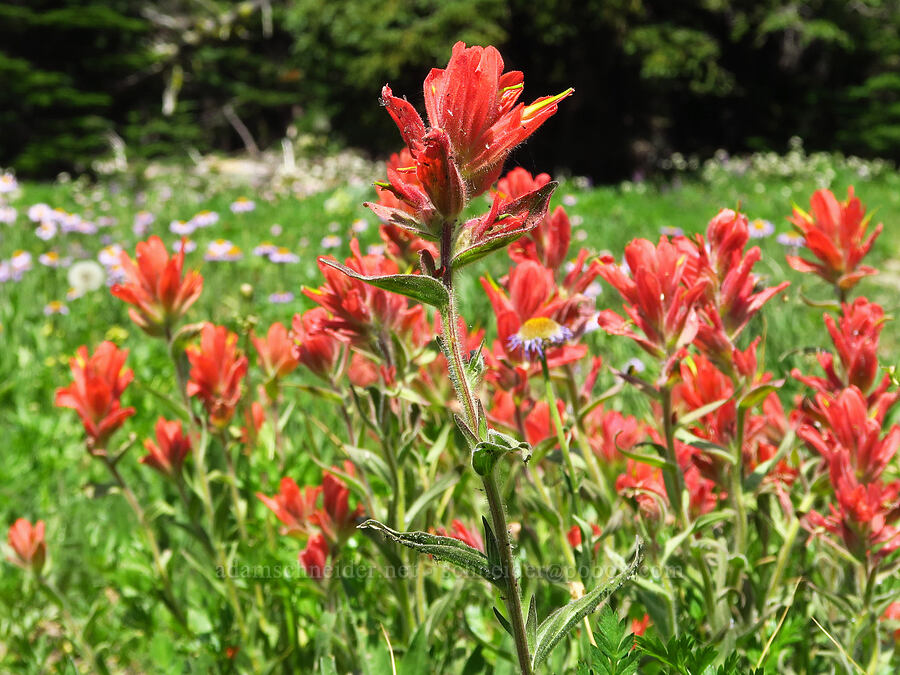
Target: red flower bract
x: 359, y: 311
x: 168, y: 453
x: 835, y: 233
x: 155, y: 287
x: 216, y: 373
x: 27, y: 542
x: 292, y: 507
x: 95, y: 392
x: 275, y: 352
x: 315, y: 556
x: 658, y: 303
x: 474, y: 102
x: 314, y: 346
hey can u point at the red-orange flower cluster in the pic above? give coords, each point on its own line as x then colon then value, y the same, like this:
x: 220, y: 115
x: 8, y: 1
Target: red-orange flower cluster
x: 155, y: 286
x: 27, y: 542
x: 172, y: 446
x: 98, y: 383
x: 835, y: 233
x: 216, y: 373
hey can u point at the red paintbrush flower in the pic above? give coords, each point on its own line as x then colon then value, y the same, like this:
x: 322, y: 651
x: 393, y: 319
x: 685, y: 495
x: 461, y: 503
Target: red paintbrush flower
x: 849, y: 428
x: 609, y: 430
x: 216, y: 373
x: 276, y: 357
x: 98, y: 383
x: 658, y: 304
x: 155, y: 286
x: 335, y: 518
x: 864, y: 515
x: 733, y: 293
x: 314, y: 346
x: 855, y: 337
x: 292, y: 507
x: 172, y: 446
x: 474, y: 103
x: 835, y: 233
x: 27, y: 542
x: 548, y: 243
x: 359, y: 311
x: 315, y: 556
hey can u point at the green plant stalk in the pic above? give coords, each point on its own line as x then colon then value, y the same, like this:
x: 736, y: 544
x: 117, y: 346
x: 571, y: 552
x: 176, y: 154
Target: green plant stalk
x: 560, y: 431
x: 151, y: 538
x: 78, y: 633
x: 233, y: 487
x: 673, y: 478
x: 456, y: 364
x: 587, y: 451
x: 206, y: 498
x: 737, y: 489
x: 511, y: 597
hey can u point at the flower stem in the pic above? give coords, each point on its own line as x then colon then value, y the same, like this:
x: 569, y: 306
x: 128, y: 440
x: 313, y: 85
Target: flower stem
x: 456, y: 363
x: 508, y: 572
x: 737, y: 490
x: 151, y: 538
x: 672, y: 474
x: 560, y: 432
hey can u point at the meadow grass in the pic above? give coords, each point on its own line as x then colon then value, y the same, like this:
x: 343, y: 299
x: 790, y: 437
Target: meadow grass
x: 46, y: 472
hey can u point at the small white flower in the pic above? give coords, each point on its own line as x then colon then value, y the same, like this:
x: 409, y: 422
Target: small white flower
x: 8, y: 183
x: 265, y: 249
x: 331, y: 241
x: 46, y: 230
x: 283, y: 255
x: 205, y: 219
x: 182, y: 228
x: 242, y: 205
x: 55, y: 307
x: 281, y: 298
x: 52, y: 259
x: 760, y: 229
x: 110, y: 255
x: 8, y: 214
x: 671, y: 231
x: 20, y: 263
x: 39, y: 212
x: 222, y: 250
x: 360, y: 225
x: 85, y: 276
x: 538, y: 333
x: 188, y: 245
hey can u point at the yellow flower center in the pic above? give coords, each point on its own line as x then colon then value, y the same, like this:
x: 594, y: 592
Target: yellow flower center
x: 539, y: 328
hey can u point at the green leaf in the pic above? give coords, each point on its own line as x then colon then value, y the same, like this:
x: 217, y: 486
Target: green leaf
x: 427, y: 290
x: 439, y: 487
x: 503, y: 621
x: 556, y: 626
x: 445, y: 549
x: 701, y: 412
x: 531, y: 625
x: 756, y: 395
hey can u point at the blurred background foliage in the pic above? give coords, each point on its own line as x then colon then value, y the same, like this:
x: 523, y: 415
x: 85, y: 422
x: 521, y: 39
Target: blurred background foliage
x: 174, y: 77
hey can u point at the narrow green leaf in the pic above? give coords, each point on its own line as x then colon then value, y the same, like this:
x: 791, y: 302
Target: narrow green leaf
x: 445, y: 482
x: 503, y: 621
x: 701, y: 412
x: 556, y: 626
x: 491, y: 546
x: 756, y: 395
x: 445, y: 549
x: 427, y: 290
x: 531, y: 625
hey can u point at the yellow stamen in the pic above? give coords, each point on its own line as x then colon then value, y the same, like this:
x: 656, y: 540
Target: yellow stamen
x: 539, y: 328
x: 534, y: 108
